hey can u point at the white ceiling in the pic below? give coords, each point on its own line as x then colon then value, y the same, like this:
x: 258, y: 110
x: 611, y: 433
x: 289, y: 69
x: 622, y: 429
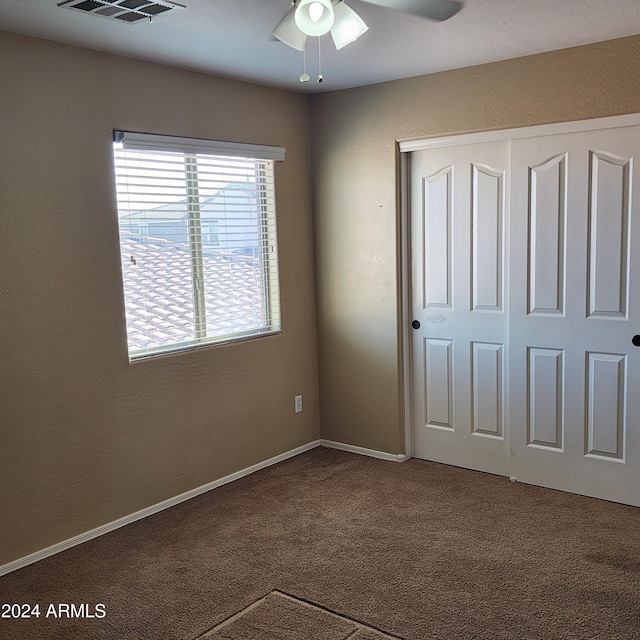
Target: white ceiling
x: 233, y: 37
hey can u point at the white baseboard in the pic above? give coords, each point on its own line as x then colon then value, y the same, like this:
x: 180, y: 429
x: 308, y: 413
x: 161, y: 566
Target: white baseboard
x: 171, y: 502
x: 372, y: 453
x: 161, y: 506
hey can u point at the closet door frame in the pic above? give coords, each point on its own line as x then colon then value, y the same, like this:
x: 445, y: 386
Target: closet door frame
x: 404, y: 149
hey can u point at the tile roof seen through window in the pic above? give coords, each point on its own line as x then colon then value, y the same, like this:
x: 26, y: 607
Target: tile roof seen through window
x: 159, y: 299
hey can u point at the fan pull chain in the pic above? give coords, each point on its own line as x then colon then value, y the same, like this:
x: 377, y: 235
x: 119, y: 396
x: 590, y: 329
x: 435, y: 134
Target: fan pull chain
x: 320, y: 76
x: 304, y: 77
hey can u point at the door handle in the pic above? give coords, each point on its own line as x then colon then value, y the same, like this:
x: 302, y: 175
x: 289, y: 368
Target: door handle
x: 636, y: 340
x: 416, y: 325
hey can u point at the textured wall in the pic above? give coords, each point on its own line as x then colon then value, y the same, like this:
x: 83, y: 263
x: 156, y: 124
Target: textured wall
x: 354, y: 136
x: 85, y: 437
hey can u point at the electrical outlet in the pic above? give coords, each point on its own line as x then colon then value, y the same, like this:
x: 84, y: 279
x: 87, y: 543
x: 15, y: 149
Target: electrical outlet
x: 297, y: 404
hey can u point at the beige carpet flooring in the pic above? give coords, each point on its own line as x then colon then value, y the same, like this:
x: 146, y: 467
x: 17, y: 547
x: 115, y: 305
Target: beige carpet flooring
x: 418, y: 551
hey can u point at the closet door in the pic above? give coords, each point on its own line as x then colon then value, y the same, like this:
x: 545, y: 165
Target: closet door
x: 459, y: 210
x: 574, y: 309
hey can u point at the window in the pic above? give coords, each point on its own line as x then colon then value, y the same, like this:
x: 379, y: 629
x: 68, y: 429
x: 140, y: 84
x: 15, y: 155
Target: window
x: 197, y: 239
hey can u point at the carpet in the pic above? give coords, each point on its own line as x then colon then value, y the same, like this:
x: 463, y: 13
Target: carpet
x: 279, y: 616
x: 419, y: 551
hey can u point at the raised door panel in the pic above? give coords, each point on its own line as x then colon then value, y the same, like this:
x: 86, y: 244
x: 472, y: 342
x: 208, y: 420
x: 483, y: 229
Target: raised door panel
x: 606, y: 406
x: 487, y: 215
x: 487, y: 373
x: 545, y: 398
x: 438, y: 376
x: 546, y: 250
x: 437, y: 218
x: 609, y: 212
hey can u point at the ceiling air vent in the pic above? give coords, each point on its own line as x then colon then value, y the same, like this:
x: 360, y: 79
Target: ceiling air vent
x: 123, y: 10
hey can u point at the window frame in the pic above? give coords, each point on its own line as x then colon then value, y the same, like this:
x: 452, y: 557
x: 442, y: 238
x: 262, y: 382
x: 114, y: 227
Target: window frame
x: 269, y: 291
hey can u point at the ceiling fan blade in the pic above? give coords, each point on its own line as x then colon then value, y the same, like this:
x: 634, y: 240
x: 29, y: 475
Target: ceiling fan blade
x: 438, y: 10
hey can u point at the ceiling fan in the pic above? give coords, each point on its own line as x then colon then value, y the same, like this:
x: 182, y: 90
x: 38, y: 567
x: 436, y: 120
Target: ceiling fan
x: 317, y: 17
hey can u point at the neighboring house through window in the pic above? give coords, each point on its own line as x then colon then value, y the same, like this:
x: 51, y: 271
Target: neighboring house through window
x: 198, y: 241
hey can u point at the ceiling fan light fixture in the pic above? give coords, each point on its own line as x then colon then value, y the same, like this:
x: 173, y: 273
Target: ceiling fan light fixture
x: 314, y: 17
x: 347, y: 27
x: 288, y: 32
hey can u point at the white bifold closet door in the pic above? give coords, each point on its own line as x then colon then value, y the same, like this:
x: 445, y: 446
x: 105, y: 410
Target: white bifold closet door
x: 523, y: 258
x: 575, y: 385
x: 460, y: 350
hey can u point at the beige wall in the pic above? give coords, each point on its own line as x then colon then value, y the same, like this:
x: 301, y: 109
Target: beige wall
x: 86, y: 438
x: 354, y: 135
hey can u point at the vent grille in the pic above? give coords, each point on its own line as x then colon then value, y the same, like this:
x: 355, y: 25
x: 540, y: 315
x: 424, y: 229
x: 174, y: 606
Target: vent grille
x: 123, y: 10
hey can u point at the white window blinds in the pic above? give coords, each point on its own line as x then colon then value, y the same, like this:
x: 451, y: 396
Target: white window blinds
x: 198, y: 241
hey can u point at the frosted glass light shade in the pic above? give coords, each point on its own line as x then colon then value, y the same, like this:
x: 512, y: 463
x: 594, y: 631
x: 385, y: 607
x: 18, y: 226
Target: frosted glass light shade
x: 288, y: 32
x: 311, y: 21
x: 347, y: 27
